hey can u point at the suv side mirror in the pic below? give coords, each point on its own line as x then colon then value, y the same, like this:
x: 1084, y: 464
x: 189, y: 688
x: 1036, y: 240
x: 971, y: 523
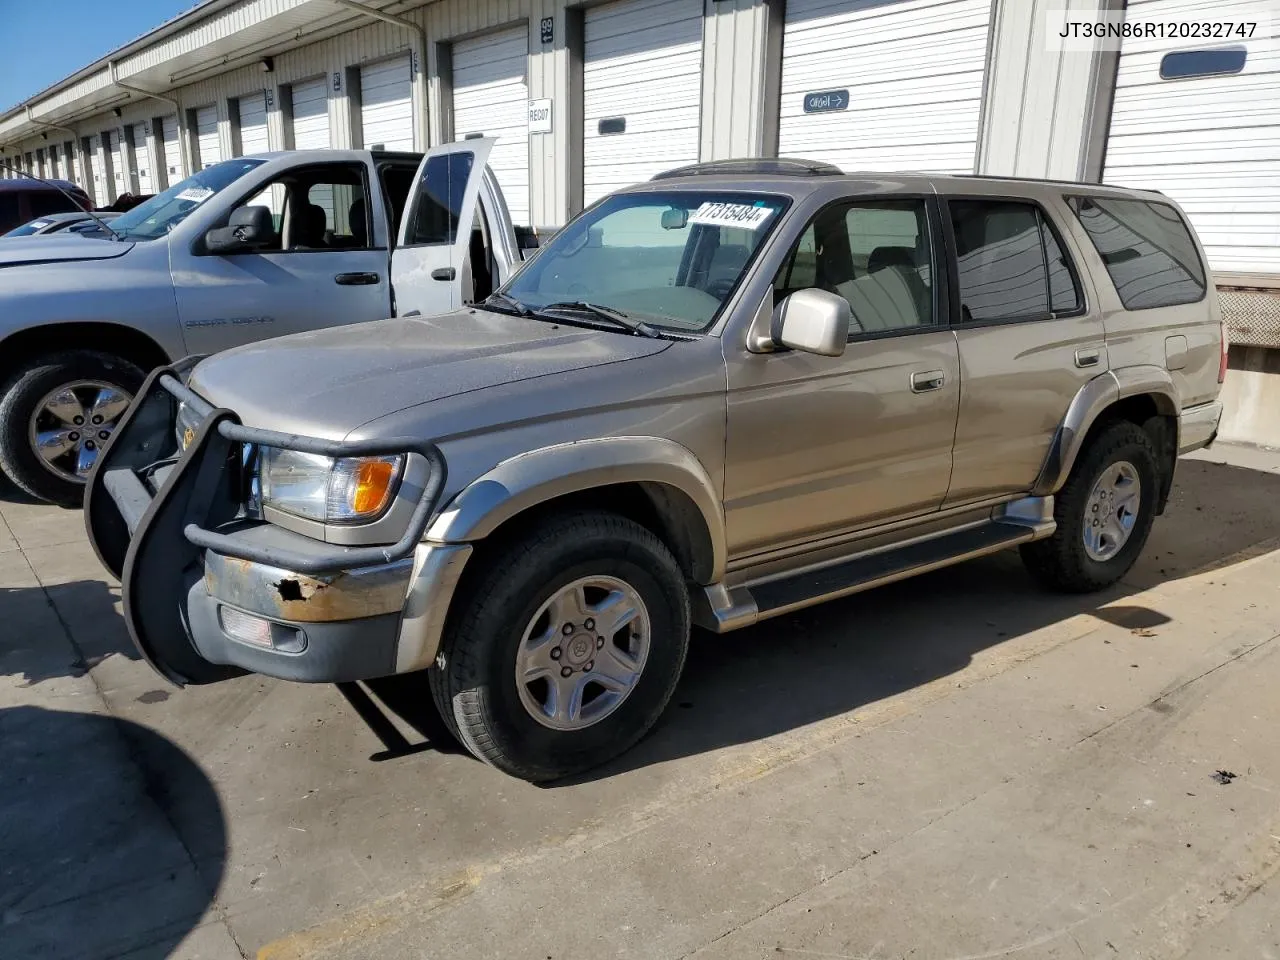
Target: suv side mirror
x: 248, y: 229
x: 813, y: 321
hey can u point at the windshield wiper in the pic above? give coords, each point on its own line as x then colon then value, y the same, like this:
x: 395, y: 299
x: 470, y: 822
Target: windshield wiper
x: 502, y: 303
x: 616, y: 317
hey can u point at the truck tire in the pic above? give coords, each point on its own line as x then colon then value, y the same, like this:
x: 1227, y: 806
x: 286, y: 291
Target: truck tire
x: 43, y: 400
x: 565, y: 650
x: 1104, y: 514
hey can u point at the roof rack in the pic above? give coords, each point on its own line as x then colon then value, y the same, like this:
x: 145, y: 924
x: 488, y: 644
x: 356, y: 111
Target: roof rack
x: 790, y: 166
x: 1077, y: 184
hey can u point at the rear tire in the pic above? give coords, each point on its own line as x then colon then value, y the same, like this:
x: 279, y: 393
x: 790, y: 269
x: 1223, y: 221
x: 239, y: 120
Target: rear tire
x: 28, y: 396
x: 532, y: 613
x: 1119, y: 465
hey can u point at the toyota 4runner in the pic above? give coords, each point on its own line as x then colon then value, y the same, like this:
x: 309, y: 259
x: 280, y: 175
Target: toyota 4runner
x: 734, y: 391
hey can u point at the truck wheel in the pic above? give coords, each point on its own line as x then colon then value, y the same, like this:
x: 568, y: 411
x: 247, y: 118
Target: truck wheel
x: 566, y: 649
x: 1104, y: 514
x: 56, y: 412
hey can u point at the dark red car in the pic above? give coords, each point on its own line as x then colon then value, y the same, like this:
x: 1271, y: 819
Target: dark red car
x: 24, y: 200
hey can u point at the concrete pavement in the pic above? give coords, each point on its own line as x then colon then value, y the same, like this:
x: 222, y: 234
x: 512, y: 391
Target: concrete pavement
x: 954, y: 767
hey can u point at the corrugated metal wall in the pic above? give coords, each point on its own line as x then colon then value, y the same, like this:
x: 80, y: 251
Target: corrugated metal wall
x: 1044, y: 110
x: 1043, y: 114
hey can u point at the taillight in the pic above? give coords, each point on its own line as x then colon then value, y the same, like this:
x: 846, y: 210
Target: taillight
x: 1222, y: 362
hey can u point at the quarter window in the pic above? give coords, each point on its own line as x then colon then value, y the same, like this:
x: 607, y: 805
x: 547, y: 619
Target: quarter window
x: 877, y: 255
x: 1011, y: 265
x: 1147, y: 250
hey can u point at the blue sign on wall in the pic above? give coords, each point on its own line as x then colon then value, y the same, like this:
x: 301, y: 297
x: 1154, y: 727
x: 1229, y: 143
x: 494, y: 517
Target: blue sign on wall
x: 826, y: 101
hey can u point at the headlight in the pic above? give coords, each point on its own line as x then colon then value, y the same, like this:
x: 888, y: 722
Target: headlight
x: 348, y: 490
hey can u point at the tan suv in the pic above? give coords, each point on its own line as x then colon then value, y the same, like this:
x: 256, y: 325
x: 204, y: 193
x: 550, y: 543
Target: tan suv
x: 737, y: 390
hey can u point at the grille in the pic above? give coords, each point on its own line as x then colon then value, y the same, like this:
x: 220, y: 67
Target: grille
x: 1253, y: 316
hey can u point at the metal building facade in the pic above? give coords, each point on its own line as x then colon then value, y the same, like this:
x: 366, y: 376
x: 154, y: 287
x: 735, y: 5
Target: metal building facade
x: 635, y: 85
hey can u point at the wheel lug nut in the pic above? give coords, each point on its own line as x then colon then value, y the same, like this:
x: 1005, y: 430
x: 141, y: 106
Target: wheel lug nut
x: 73, y: 435
x: 88, y: 444
x: 97, y: 419
x: 555, y: 653
x: 589, y: 624
x: 77, y: 420
x: 589, y: 666
x: 599, y: 643
x: 103, y: 435
x: 566, y: 672
x: 567, y: 629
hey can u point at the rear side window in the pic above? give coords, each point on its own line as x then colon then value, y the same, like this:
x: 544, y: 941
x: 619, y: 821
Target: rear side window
x: 1011, y: 265
x: 439, y: 199
x: 45, y: 202
x: 1147, y: 250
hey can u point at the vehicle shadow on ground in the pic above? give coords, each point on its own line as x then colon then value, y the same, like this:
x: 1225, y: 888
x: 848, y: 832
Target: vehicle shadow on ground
x: 91, y: 809
x: 36, y: 623
x: 832, y: 659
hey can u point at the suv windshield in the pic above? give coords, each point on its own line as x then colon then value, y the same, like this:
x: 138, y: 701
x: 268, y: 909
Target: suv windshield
x: 671, y: 258
x: 164, y: 211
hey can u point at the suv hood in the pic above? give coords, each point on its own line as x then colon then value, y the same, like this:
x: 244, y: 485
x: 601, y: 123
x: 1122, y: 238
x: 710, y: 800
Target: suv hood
x: 16, y: 251
x: 327, y: 383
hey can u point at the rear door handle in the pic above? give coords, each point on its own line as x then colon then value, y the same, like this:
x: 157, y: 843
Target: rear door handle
x: 443, y: 273
x: 1088, y: 357
x: 927, y: 380
x: 356, y: 279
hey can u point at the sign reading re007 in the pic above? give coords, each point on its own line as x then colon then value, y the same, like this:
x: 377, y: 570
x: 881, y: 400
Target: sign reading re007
x: 540, y: 116
x: 826, y: 101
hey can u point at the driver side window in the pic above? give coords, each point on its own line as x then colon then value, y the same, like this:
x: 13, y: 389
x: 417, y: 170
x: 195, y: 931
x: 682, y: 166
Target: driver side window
x: 316, y: 208
x: 877, y: 255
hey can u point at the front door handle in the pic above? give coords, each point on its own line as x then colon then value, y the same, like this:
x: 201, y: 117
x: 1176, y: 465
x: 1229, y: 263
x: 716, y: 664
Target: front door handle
x: 927, y: 380
x: 356, y: 279
x: 1088, y: 357
x: 443, y: 273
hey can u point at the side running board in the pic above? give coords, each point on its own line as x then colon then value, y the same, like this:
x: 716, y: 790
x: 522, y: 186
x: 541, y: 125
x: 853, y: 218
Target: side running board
x: 724, y: 609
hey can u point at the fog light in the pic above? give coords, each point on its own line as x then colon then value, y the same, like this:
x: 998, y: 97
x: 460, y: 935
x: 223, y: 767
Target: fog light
x: 245, y: 627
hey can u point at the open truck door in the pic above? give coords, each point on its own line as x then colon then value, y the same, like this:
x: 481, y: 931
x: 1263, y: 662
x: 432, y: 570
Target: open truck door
x: 429, y: 265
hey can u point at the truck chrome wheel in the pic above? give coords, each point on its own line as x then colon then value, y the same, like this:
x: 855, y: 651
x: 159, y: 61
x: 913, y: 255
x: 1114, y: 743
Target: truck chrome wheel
x: 583, y: 653
x: 1112, y: 511
x: 70, y: 425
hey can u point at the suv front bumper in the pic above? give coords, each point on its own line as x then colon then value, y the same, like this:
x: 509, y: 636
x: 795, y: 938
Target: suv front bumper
x: 209, y: 593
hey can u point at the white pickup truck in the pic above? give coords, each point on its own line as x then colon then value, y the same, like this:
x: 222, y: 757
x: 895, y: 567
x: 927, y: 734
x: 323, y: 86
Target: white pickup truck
x: 254, y: 247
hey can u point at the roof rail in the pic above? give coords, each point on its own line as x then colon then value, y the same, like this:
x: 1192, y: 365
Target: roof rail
x: 790, y: 166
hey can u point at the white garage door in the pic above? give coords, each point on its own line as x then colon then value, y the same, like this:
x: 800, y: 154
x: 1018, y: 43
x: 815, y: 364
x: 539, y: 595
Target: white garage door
x: 172, y: 150
x: 491, y: 98
x: 97, y: 185
x: 142, y: 159
x: 642, y: 83
x: 207, y: 136
x: 386, y: 105
x: 253, y: 125
x: 311, y: 115
x: 119, y: 163
x: 1208, y: 138
x: 903, y: 83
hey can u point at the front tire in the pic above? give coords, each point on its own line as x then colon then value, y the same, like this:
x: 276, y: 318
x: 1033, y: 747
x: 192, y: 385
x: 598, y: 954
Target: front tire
x: 1104, y: 514
x: 566, y: 649
x: 55, y: 415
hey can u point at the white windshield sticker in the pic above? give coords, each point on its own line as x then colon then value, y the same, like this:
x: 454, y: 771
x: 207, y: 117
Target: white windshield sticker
x: 742, y: 215
x: 196, y: 194
x: 41, y: 223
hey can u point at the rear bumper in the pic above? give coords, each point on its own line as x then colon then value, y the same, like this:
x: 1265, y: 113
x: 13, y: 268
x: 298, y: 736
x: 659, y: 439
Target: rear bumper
x: 1198, y: 426
x: 209, y: 593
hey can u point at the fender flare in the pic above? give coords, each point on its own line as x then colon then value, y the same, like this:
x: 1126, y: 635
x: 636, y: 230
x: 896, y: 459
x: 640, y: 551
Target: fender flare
x: 529, y: 479
x: 1089, y: 403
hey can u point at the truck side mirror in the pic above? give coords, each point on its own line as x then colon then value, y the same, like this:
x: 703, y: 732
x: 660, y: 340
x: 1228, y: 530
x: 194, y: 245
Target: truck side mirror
x: 248, y: 229
x: 813, y: 321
